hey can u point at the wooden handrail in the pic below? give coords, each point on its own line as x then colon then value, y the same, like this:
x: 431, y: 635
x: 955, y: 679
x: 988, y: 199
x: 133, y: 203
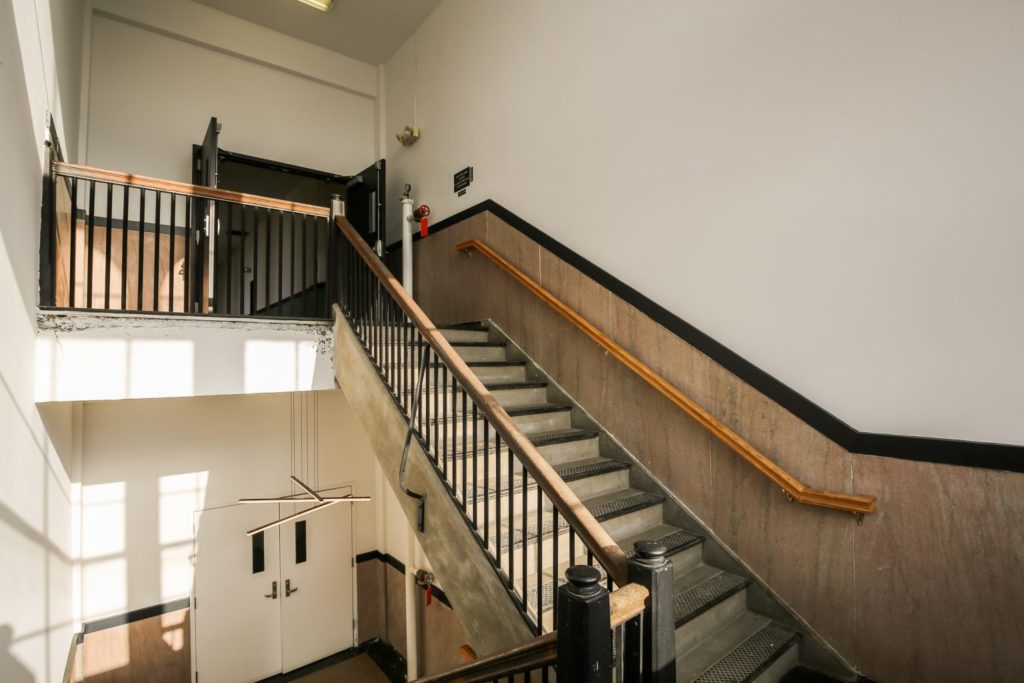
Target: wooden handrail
x: 121, y: 178
x: 624, y: 604
x: 857, y: 504
x: 568, y: 504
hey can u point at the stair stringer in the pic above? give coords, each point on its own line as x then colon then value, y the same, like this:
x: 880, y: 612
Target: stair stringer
x: 492, y: 622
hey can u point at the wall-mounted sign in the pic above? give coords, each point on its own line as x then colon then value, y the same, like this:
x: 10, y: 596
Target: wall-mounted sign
x: 462, y: 180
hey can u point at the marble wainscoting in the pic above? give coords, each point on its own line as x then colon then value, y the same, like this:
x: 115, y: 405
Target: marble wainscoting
x: 927, y: 587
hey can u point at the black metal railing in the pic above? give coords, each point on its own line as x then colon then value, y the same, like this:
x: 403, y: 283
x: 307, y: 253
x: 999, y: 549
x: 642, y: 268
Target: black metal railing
x: 514, y: 519
x: 116, y: 242
x: 526, y: 519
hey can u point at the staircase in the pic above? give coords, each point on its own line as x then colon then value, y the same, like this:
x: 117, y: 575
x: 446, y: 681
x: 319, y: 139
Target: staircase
x: 718, y: 636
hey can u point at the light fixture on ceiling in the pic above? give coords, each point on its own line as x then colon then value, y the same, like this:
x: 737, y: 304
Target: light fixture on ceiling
x: 322, y: 5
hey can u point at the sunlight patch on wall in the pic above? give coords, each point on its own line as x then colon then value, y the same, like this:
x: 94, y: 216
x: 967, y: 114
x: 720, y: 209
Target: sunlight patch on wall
x: 272, y: 366
x: 180, y: 496
x: 106, y: 587
x: 161, y: 367
x: 103, y: 515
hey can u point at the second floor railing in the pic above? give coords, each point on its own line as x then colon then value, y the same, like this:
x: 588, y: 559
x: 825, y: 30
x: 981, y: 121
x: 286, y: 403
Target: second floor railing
x: 120, y: 242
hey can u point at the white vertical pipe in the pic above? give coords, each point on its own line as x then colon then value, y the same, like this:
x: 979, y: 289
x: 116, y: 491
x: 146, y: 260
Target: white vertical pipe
x: 408, y: 225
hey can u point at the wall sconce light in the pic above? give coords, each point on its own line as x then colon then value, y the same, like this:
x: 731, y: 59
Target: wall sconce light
x: 409, y: 135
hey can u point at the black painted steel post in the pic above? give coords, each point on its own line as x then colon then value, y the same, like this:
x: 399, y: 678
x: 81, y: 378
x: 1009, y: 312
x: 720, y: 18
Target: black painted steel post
x: 584, y: 631
x: 651, y: 569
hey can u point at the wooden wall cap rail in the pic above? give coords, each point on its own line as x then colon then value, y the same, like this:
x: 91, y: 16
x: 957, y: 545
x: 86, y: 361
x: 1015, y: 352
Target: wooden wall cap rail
x: 590, y: 531
x: 795, y: 490
x: 106, y: 176
x: 624, y: 604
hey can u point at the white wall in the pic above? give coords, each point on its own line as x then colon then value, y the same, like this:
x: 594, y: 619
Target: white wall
x: 832, y: 190
x: 157, y: 72
x: 35, y: 495
x: 90, y: 358
x: 147, y: 465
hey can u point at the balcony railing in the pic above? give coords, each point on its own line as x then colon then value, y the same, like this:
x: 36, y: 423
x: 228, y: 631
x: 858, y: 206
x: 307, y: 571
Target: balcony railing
x: 114, y: 241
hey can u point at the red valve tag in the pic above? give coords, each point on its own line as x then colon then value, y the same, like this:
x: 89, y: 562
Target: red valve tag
x: 430, y: 594
x: 423, y: 227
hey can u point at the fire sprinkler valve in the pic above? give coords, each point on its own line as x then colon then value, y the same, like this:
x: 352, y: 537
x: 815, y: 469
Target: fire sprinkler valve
x: 420, y: 215
x: 426, y: 580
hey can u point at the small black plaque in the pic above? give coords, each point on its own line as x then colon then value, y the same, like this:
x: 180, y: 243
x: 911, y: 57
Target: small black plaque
x: 462, y: 180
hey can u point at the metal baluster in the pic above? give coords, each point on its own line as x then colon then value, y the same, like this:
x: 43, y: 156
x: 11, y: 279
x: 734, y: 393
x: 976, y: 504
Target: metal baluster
x: 487, y: 490
x: 255, y: 288
x: 305, y: 269
x: 280, y: 264
x: 228, y: 255
x: 187, y: 283
x: 497, y: 496
x: 170, y: 259
x: 554, y: 564
x: 74, y: 242
x: 523, y: 550
x: 243, y: 223
x: 444, y: 422
x: 106, y: 251
x: 156, y: 254
x: 90, y: 237
x: 266, y: 256
x: 124, y: 250
x: 476, y: 484
x: 511, y: 519
x: 316, y: 270
x: 436, y: 426
x: 142, y: 233
x: 540, y: 558
x: 465, y: 455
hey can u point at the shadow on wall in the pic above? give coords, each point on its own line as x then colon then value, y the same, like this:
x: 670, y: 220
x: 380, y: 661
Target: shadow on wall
x: 12, y: 670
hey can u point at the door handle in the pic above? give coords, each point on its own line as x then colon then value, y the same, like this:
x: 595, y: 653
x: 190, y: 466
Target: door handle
x: 288, y: 590
x: 273, y: 591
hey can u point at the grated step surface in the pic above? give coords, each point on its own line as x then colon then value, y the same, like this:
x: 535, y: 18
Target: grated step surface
x: 751, y: 657
x: 561, y: 436
x: 623, y: 506
x: 705, y: 595
x: 592, y: 467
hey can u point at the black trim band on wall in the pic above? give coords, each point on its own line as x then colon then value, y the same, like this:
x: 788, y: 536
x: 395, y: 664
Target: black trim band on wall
x: 978, y: 454
x: 135, y: 615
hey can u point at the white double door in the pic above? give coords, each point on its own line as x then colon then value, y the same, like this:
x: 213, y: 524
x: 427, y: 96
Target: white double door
x: 269, y: 605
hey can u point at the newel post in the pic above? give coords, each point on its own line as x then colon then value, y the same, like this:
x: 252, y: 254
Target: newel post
x: 584, y: 631
x: 650, y: 568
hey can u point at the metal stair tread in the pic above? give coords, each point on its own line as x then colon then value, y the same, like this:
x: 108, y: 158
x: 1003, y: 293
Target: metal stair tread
x: 528, y: 384
x: 537, y: 409
x: 454, y: 344
x: 604, y: 507
x: 475, y: 326
x: 708, y: 651
x: 700, y: 589
x: 755, y: 654
x: 574, y: 470
x: 556, y: 436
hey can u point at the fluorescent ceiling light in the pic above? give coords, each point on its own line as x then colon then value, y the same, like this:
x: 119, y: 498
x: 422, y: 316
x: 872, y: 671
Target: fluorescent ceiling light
x: 322, y: 5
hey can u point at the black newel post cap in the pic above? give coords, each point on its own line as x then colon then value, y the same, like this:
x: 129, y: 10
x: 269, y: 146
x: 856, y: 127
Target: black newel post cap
x: 583, y: 579
x: 650, y: 552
